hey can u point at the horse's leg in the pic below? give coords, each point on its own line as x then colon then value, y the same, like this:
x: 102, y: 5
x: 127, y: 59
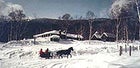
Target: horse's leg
x: 52, y: 56
x: 58, y: 56
x: 61, y: 56
x: 70, y: 55
x: 55, y: 56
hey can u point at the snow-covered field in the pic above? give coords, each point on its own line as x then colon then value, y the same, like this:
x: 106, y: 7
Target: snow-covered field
x: 97, y: 54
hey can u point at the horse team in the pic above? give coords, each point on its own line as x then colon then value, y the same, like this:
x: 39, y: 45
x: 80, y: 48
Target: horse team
x: 54, y: 54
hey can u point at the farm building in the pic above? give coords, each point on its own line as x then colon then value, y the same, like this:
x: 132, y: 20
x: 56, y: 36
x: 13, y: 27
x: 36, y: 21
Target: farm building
x: 104, y: 36
x: 108, y: 37
x: 57, y: 35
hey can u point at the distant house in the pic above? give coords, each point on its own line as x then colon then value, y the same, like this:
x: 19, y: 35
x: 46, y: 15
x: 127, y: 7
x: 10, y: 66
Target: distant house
x: 104, y: 36
x: 57, y: 35
x: 96, y: 36
x: 108, y: 37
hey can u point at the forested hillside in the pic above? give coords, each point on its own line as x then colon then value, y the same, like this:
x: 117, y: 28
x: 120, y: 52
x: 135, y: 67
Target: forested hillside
x: 16, y: 30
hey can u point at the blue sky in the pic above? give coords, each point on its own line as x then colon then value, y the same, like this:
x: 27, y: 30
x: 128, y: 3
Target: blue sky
x: 56, y: 8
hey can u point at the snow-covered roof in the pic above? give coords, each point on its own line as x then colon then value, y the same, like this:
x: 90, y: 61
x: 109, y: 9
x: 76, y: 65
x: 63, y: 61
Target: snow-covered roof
x: 50, y: 32
x: 97, y: 34
x: 109, y: 35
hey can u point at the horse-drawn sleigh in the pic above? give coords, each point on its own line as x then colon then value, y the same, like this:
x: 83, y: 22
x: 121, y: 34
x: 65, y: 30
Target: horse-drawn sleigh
x: 55, y: 54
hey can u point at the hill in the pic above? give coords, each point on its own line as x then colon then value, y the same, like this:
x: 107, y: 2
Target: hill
x: 16, y: 30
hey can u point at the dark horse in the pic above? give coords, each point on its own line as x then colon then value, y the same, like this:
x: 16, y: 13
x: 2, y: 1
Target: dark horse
x: 66, y: 52
x: 47, y: 56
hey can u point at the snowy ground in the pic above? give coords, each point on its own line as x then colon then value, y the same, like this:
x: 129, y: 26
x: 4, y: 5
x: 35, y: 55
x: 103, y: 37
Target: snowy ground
x: 97, y: 54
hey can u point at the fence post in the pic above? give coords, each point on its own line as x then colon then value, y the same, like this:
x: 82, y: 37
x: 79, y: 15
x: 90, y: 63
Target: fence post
x: 137, y: 48
x: 133, y: 48
x: 34, y: 41
x: 120, y: 51
x: 125, y: 48
x: 130, y: 51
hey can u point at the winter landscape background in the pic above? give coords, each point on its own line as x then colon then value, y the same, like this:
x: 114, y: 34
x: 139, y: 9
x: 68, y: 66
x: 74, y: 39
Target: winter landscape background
x: 21, y: 20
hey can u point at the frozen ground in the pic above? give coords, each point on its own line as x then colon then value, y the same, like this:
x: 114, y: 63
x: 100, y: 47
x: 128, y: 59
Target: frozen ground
x: 97, y: 54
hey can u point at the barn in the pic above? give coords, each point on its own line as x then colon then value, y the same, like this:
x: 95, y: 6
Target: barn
x: 108, y: 37
x: 55, y: 35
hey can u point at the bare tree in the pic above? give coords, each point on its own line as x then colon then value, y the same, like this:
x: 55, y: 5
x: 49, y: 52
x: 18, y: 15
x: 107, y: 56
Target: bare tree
x: 16, y: 16
x: 117, y: 29
x: 138, y: 11
x: 81, y: 17
x: 59, y: 17
x: 79, y: 30
x: 128, y: 9
x: 66, y: 17
x: 90, y: 16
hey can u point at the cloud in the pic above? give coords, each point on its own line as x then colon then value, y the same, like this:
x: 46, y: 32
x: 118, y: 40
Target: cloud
x: 5, y: 7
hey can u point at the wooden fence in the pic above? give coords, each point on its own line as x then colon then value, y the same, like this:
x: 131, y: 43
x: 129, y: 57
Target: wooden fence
x: 128, y: 48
